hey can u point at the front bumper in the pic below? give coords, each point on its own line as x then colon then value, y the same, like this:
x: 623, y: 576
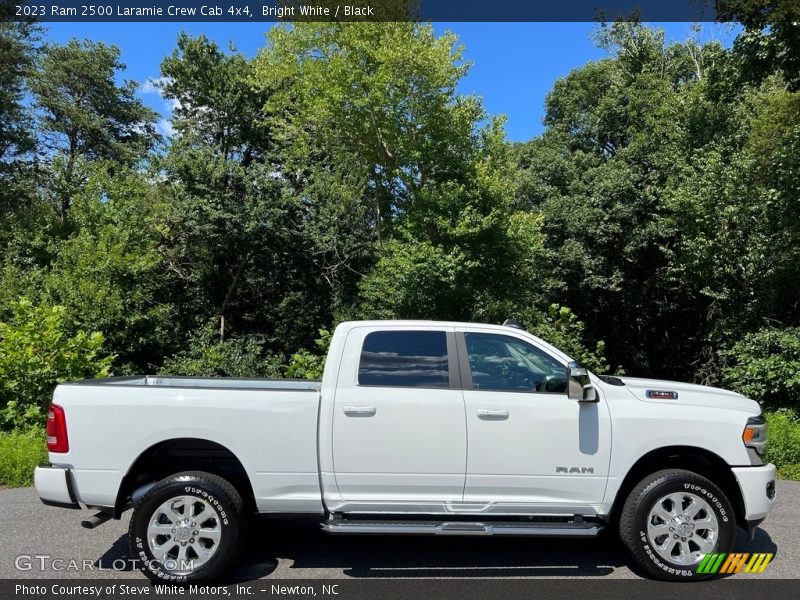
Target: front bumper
x: 758, y: 490
x: 55, y: 486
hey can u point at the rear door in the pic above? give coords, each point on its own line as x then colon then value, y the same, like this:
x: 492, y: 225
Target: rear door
x: 531, y: 448
x: 399, y: 428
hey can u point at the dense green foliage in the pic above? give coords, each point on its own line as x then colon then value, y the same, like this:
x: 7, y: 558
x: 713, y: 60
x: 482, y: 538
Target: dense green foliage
x: 207, y: 356
x: 652, y: 228
x: 783, y: 429
x: 766, y: 365
x: 310, y: 365
x: 37, y: 349
x: 668, y: 187
x: 20, y: 452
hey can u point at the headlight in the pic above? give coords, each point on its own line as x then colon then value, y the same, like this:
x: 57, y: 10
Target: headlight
x: 755, y: 434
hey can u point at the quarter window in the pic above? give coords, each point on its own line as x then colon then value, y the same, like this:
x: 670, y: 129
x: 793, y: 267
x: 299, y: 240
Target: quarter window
x: 404, y: 359
x: 505, y: 363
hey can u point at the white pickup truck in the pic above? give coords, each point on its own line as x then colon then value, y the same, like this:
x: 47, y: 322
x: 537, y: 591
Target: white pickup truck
x: 417, y: 427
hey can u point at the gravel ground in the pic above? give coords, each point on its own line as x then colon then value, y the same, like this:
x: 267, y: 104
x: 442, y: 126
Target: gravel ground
x: 296, y: 549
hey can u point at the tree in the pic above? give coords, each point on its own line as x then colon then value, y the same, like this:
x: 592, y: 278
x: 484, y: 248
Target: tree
x: 618, y: 132
x: 17, y: 59
x: 770, y: 41
x: 109, y: 274
x: 84, y: 115
x: 18, y: 52
x: 379, y: 99
x: 667, y: 181
x: 374, y: 109
x: 736, y: 208
x: 238, y: 251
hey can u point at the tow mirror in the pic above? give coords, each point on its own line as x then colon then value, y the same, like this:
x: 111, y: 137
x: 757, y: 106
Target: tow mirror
x: 579, y: 387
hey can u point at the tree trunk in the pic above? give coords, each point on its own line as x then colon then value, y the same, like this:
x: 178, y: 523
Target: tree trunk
x: 66, y: 194
x: 229, y: 294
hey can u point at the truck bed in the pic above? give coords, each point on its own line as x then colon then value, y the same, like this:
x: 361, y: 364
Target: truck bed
x: 269, y: 425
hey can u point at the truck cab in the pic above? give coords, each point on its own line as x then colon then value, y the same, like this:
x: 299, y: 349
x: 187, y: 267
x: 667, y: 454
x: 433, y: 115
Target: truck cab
x: 459, y: 418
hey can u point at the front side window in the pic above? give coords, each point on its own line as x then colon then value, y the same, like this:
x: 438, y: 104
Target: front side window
x: 505, y: 363
x: 404, y: 359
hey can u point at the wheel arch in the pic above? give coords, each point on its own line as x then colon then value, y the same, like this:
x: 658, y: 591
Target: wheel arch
x: 175, y: 455
x: 690, y: 458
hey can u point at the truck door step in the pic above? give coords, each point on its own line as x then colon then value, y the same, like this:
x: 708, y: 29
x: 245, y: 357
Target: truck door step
x: 580, y: 529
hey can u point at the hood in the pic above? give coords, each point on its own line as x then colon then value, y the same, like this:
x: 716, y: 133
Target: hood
x: 690, y: 393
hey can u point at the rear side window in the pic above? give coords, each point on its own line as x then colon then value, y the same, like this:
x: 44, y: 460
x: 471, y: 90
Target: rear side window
x: 404, y: 359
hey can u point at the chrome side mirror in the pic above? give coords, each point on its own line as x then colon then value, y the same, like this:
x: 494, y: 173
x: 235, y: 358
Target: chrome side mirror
x: 579, y: 387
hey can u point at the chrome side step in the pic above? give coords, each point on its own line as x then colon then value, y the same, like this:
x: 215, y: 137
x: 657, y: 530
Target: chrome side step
x: 580, y: 529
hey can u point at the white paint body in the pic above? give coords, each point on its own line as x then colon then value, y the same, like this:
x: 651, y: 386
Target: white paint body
x: 337, y: 446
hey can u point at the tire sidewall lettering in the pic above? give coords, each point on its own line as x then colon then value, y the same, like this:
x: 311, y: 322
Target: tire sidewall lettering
x: 656, y: 561
x: 154, y: 566
x: 699, y: 489
x: 210, y: 499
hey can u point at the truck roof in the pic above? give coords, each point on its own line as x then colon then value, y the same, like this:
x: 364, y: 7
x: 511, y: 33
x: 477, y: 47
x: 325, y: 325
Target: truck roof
x: 388, y: 323
x: 424, y: 323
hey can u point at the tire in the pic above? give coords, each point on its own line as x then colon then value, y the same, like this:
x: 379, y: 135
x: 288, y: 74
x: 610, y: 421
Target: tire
x: 188, y: 527
x: 651, y: 520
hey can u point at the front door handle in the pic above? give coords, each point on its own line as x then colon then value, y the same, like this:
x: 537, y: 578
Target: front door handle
x: 492, y: 415
x: 360, y: 411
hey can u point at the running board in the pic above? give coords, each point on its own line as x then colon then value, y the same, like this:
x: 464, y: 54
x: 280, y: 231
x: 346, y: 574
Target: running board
x: 581, y: 529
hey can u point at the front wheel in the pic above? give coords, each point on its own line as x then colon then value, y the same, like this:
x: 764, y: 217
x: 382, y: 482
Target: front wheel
x: 187, y: 528
x: 672, y: 519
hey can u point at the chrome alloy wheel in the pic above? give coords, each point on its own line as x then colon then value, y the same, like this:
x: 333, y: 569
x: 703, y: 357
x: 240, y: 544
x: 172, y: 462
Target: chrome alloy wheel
x: 183, y: 533
x: 682, y: 528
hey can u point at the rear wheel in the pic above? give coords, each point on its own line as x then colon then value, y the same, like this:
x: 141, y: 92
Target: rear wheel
x: 187, y: 528
x: 672, y: 519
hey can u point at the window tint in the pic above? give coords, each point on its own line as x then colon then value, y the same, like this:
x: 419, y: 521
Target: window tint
x: 505, y: 363
x: 404, y: 359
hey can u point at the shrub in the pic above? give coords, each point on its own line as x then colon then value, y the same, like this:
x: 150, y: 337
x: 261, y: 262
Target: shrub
x: 308, y: 365
x: 765, y: 366
x: 235, y: 357
x: 783, y: 449
x: 38, y: 349
x: 20, y: 452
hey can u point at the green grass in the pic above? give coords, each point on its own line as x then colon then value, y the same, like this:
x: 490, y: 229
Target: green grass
x: 20, y: 452
x: 791, y: 472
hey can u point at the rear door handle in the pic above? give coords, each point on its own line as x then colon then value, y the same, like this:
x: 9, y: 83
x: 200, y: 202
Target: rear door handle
x: 492, y: 415
x: 360, y: 411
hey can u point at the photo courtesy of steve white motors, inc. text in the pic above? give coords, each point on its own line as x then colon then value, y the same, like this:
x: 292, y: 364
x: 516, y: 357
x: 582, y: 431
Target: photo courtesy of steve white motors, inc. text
x: 172, y: 590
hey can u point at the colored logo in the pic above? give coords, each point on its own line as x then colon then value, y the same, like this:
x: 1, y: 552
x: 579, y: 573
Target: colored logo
x: 734, y: 562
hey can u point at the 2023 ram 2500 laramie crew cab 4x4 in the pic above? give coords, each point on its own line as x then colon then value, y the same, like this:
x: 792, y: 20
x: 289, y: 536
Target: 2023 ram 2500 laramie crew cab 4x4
x: 417, y: 427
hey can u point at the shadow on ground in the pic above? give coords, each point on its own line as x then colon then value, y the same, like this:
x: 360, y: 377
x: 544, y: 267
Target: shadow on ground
x: 307, y: 548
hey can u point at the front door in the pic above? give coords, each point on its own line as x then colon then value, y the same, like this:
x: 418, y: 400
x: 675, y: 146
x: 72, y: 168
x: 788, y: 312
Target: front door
x: 399, y: 431
x: 531, y: 448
